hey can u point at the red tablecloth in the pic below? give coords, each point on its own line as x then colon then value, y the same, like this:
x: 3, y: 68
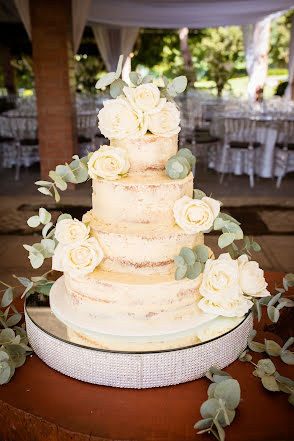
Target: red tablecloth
x: 42, y: 404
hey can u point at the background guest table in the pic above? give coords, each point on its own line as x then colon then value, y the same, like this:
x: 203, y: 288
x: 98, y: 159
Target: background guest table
x: 41, y: 404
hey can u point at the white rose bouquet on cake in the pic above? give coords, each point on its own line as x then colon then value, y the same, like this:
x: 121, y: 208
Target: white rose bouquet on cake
x: 228, y: 285
x: 108, y: 163
x: 196, y: 215
x: 76, y: 252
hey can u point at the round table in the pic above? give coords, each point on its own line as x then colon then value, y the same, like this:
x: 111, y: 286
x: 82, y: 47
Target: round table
x: 42, y: 404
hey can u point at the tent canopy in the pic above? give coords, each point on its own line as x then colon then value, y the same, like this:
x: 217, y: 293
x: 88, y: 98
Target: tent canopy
x: 185, y: 13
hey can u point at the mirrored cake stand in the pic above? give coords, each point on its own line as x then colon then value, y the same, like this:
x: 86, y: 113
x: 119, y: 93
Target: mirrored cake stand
x: 48, y: 338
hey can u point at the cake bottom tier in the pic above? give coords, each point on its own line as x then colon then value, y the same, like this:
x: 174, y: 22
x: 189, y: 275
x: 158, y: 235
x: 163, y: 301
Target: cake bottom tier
x: 85, y: 330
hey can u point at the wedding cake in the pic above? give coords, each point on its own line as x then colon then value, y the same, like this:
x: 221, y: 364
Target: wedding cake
x: 137, y: 274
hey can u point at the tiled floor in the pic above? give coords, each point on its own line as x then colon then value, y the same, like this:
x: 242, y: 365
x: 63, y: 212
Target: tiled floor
x: 19, y: 199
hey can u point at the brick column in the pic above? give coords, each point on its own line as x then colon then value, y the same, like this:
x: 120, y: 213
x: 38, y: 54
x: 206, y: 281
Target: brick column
x: 53, y: 61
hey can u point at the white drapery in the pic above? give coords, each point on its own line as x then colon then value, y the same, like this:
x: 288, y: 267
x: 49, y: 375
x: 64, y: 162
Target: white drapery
x: 23, y: 7
x: 288, y: 92
x: 256, y: 43
x: 185, y: 13
x: 80, y: 11
x: 113, y: 41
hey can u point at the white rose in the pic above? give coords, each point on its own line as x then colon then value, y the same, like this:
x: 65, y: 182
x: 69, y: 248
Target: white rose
x: 108, y: 163
x: 83, y: 257
x: 69, y: 231
x: 196, y: 215
x: 118, y: 119
x: 145, y: 98
x: 57, y: 258
x: 251, y: 278
x: 165, y: 121
x: 220, y: 279
x: 227, y: 306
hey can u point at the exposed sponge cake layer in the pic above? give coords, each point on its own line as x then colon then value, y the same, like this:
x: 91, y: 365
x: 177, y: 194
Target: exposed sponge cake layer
x: 143, y: 199
x: 139, y: 248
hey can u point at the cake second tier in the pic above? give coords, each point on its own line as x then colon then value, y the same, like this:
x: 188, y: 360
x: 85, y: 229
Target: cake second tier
x: 142, y: 198
x: 138, y: 248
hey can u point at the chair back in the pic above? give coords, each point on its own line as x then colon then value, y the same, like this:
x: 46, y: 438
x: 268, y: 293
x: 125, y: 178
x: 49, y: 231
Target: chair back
x: 87, y: 124
x: 23, y: 127
x: 240, y: 129
x: 287, y: 133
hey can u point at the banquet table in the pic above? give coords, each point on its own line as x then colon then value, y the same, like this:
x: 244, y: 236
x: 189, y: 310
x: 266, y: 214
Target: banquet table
x: 268, y: 134
x: 42, y: 404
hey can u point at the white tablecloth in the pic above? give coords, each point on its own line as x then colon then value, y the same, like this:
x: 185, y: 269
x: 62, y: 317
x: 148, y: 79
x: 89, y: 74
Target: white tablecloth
x: 266, y: 156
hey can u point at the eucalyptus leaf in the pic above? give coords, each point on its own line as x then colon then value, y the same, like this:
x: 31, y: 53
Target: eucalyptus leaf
x: 106, y: 80
x: 17, y: 354
x: 48, y: 247
x: 256, y: 246
x: 201, y: 252
x: 235, y: 229
x: 116, y: 88
x: 179, y: 260
x: 267, y: 366
x: 64, y: 216
x: 46, y: 228
x: 7, y: 335
x: 3, y: 355
x: 209, y: 408
x: 45, y: 191
x: 119, y: 66
x: 56, y: 195
x: 186, y: 153
x: 284, y: 380
x: 220, y: 378
x: 147, y: 79
x: 13, y: 320
x: 198, y: 194
x: 273, y: 313
x: 225, y: 239
x: 203, y: 424
x: 288, y: 343
x: 23, y: 280
x: 220, y: 430
x: 289, y: 278
x: 269, y: 382
x: 194, y: 270
x: 272, y: 348
x: 227, y: 217
x: 33, y: 221
x: 135, y: 78
x: 27, y: 289
x: 291, y: 399
x: 188, y: 255
x: 179, y: 84
x: 287, y: 302
x: 180, y: 272
x: 219, y: 223
x: 287, y: 357
x: 59, y: 181
x: 5, y: 372
x: 229, y: 391
x: 7, y: 298
x: 171, y: 90
x: 36, y: 259
x: 253, y: 345
x: 211, y: 389
x: 274, y: 299
x: 44, y: 183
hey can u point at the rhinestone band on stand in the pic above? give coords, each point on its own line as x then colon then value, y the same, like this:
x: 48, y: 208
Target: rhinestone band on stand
x: 138, y: 370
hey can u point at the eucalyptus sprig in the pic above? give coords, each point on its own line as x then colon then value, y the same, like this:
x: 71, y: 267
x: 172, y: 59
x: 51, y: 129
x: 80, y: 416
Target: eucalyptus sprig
x: 270, y: 378
x: 174, y: 88
x: 272, y: 348
x: 40, y: 251
x: 224, y: 395
x: 113, y: 80
x: 76, y: 172
x: 191, y: 261
x: 276, y: 302
x: 181, y: 164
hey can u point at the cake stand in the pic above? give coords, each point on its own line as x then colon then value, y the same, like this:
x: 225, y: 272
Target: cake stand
x: 48, y: 338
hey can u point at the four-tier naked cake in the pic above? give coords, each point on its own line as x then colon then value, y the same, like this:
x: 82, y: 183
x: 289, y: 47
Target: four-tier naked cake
x: 137, y: 275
